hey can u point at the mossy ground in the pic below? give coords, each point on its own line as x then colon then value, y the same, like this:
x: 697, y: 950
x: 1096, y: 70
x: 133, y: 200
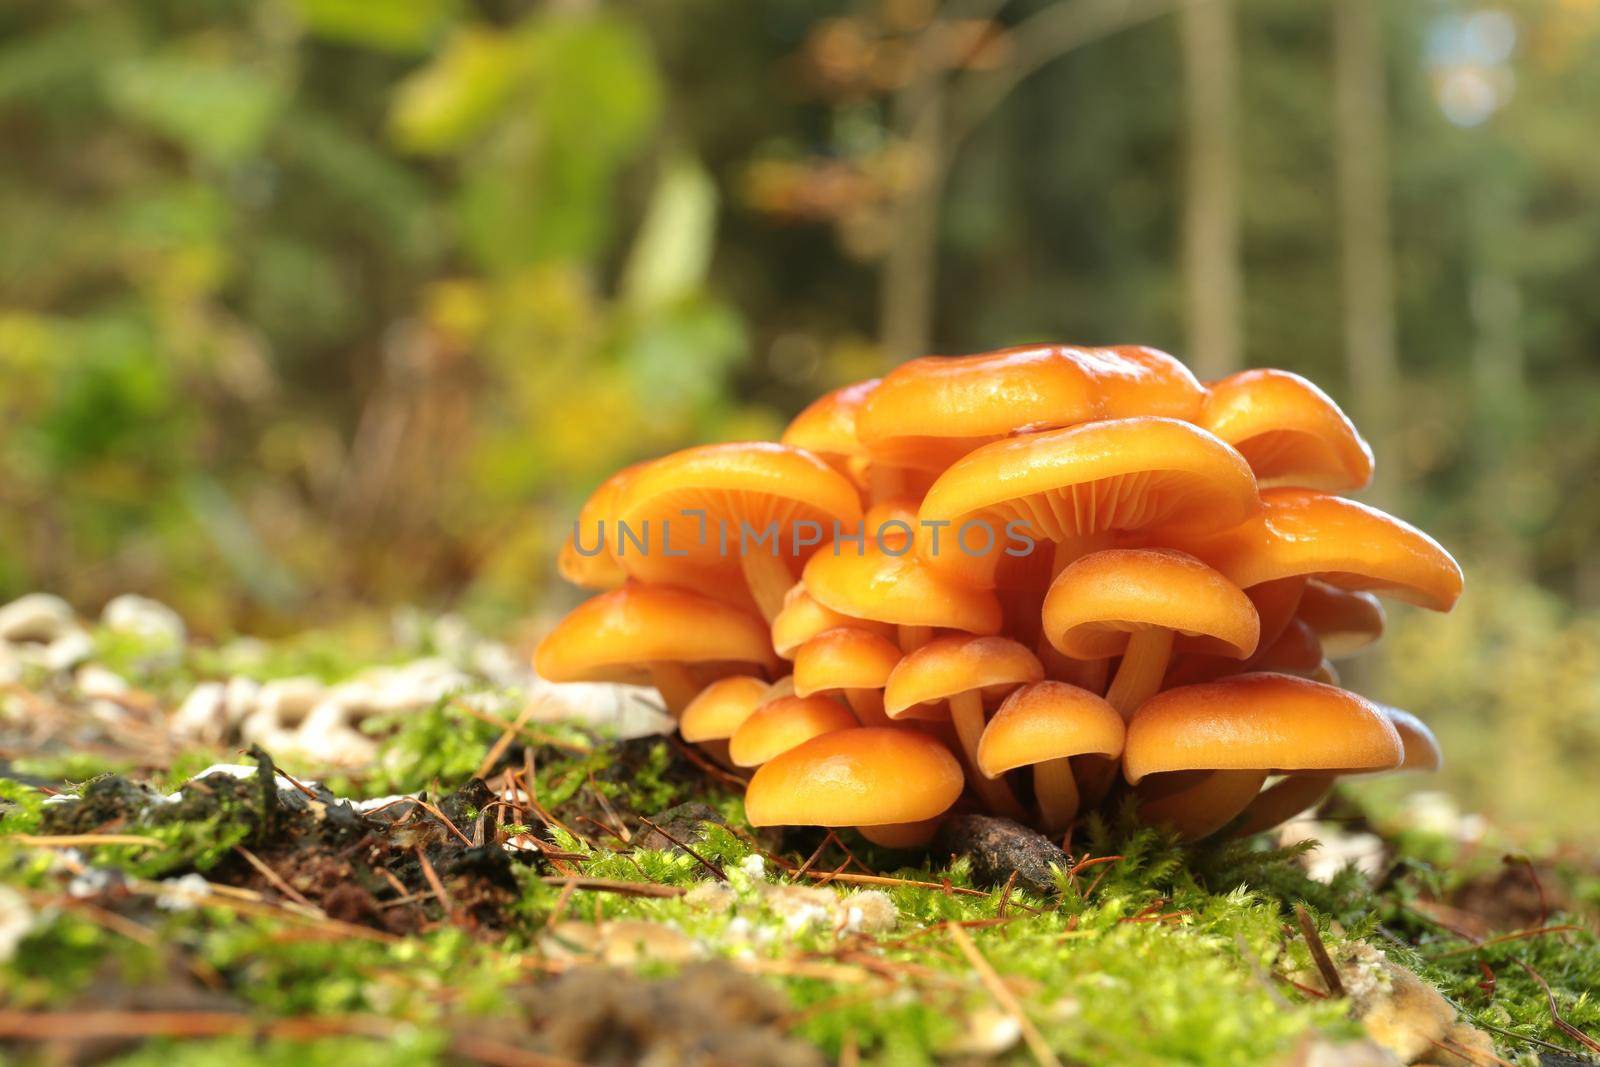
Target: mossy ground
x: 240, y: 924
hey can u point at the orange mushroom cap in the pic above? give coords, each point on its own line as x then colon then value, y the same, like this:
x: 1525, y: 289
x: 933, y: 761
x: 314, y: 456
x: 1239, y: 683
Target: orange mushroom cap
x: 803, y: 618
x: 947, y: 666
x: 1255, y: 722
x: 929, y: 412
x: 611, y: 637
x: 1346, y: 621
x: 1046, y: 721
x: 1097, y: 479
x: 760, y: 484
x: 596, y: 528
x: 721, y: 707
x: 844, y: 658
x: 1422, y: 752
x: 1098, y: 599
x: 862, y: 777
x: 1289, y: 430
x: 900, y: 590
x: 781, y: 724
x: 1344, y: 543
x: 827, y: 426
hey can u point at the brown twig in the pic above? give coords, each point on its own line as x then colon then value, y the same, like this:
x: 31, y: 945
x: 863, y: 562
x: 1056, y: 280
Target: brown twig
x: 1319, y: 951
x: 707, y: 864
x: 609, y: 885
x: 275, y: 878
x: 434, y: 883
x: 1555, y: 1012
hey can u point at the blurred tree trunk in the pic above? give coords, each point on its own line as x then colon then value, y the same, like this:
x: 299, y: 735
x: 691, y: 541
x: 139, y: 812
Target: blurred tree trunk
x: 911, y: 263
x: 1367, y: 258
x: 1212, y: 273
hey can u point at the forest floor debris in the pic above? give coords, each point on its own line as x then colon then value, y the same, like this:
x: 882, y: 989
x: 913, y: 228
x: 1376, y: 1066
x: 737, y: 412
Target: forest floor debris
x: 498, y: 885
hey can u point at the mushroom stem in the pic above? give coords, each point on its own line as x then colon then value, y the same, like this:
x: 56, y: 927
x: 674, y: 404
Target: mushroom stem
x: 1095, y: 776
x: 1282, y: 802
x: 675, y: 684
x: 868, y: 706
x: 901, y: 834
x: 966, y: 715
x: 1144, y: 664
x: 769, y: 580
x: 1206, y: 806
x: 1087, y: 674
x: 884, y: 482
x: 914, y: 637
x: 718, y: 751
x: 1057, y: 793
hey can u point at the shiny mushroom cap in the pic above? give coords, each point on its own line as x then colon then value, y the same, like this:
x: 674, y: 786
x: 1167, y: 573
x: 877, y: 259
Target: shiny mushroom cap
x: 1344, y: 543
x: 1290, y: 431
x: 721, y: 708
x: 844, y: 658
x: 781, y: 724
x: 900, y: 590
x: 947, y: 666
x: 863, y: 777
x: 595, y: 566
x: 1099, y: 599
x: 611, y: 637
x: 1259, y: 722
x: 739, y: 487
x: 1421, y: 747
x: 1346, y: 621
x: 827, y: 426
x: 929, y: 412
x: 803, y: 618
x: 1047, y: 721
x: 1084, y: 484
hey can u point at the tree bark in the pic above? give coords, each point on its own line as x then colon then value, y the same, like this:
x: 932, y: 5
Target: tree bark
x: 1212, y: 276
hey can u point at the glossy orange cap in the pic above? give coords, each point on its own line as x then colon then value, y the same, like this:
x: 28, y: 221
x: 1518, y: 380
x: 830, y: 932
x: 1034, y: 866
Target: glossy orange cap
x: 781, y: 724
x: 1258, y: 722
x: 872, y: 776
x: 612, y: 637
x: 844, y: 658
x: 1046, y: 721
x: 1344, y: 543
x: 897, y: 589
x: 1290, y: 431
x: 929, y: 412
x: 1099, y: 599
x: 947, y: 666
x: 720, y: 708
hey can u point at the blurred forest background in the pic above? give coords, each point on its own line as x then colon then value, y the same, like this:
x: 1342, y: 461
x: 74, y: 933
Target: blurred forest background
x: 313, y: 307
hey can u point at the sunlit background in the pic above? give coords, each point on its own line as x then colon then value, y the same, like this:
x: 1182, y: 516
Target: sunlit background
x: 309, y: 308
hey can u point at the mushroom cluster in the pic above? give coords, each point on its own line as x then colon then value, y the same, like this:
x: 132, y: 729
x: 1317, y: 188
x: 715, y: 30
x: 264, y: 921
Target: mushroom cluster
x: 1026, y: 582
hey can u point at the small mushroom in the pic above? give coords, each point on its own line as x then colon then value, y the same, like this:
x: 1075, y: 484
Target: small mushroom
x: 963, y: 672
x: 901, y: 590
x: 855, y: 663
x: 780, y: 724
x: 596, y: 566
x: 1291, y: 432
x: 1131, y: 602
x: 1044, y: 725
x: 803, y: 618
x: 1346, y: 622
x: 893, y: 785
x: 737, y: 510
x: 652, y: 635
x: 1241, y: 730
x: 1343, y: 543
x: 1296, y: 793
x: 719, y: 710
